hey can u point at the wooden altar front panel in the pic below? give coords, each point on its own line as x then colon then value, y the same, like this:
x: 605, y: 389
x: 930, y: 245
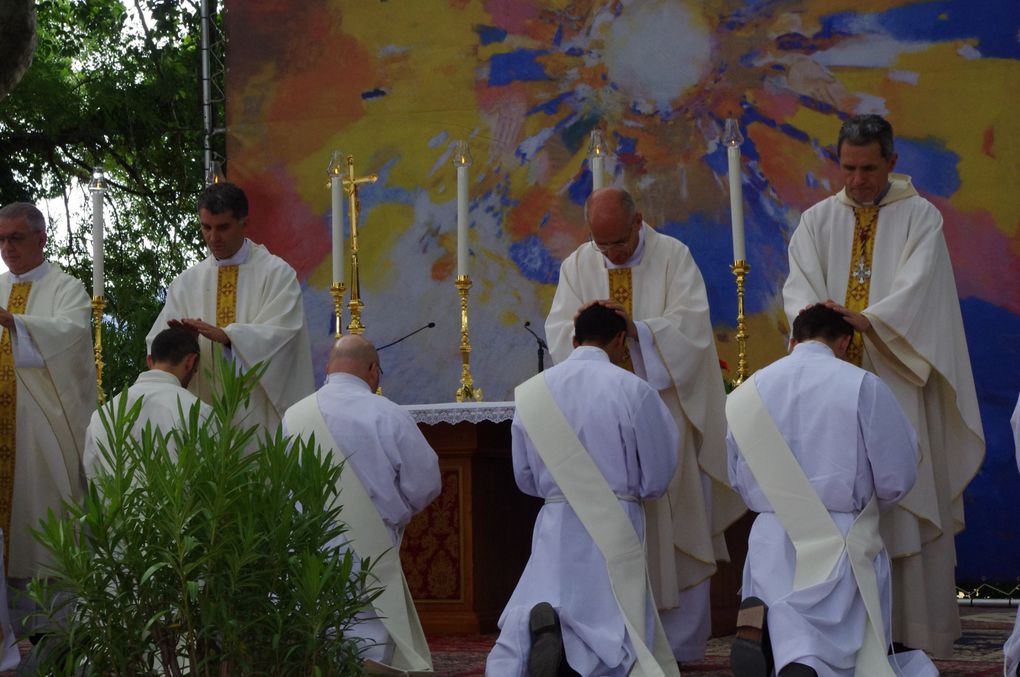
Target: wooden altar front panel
x: 463, y: 555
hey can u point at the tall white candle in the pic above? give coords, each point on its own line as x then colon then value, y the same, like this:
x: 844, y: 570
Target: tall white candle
x: 597, y: 160
x: 598, y: 172
x: 462, y: 160
x: 462, y: 220
x: 736, y: 203
x: 97, y: 242
x: 335, y: 186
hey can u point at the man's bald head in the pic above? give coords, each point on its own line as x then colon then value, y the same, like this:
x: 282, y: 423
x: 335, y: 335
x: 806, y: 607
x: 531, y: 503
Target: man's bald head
x: 356, y: 356
x: 614, y: 222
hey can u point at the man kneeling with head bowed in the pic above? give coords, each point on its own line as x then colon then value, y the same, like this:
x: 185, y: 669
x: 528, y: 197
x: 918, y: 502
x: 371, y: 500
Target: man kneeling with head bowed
x: 818, y: 447
x: 593, y: 440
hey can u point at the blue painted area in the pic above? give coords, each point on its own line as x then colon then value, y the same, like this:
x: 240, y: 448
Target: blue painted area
x: 990, y: 545
x: 373, y: 93
x: 575, y: 135
x: 580, y: 188
x: 578, y: 51
x: 534, y: 261
x: 992, y: 23
x: 930, y: 164
x: 518, y: 66
x: 490, y: 34
x: 558, y: 38
x: 551, y: 106
x: 625, y: 144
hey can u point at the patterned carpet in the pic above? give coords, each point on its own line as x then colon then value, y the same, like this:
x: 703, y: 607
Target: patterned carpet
x: 978, y: 653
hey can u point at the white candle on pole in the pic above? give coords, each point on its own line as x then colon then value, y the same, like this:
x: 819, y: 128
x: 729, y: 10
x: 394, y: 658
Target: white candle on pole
x: 462, y: 160
x: 732, y: 138
x: 98, y: 188
x: 336, y: 186
x: 597, y: 160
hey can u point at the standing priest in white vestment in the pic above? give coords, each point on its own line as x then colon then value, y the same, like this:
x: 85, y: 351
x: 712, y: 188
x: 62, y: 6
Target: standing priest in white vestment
x: 47, y: 389
x: 247, y: 302
x: 173, y: 362
x: 391, y: 474
x: 838, y: 430
x: 653, y: 280
x: 583, y: 604
x: 877, y: 250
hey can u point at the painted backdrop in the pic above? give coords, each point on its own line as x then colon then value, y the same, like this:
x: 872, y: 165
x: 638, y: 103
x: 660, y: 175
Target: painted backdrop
x: 525, y: 82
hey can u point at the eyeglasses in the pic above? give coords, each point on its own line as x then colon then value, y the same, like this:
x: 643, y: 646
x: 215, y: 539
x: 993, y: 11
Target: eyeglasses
x: 612, y: 246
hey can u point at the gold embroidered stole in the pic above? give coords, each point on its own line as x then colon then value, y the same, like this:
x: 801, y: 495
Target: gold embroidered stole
x: 858, y: 286
x: 226, y: 296
x: 621, y: 290
x: 16, y: 303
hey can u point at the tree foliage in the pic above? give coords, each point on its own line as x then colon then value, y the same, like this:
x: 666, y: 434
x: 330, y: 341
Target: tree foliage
x: 115, y: 83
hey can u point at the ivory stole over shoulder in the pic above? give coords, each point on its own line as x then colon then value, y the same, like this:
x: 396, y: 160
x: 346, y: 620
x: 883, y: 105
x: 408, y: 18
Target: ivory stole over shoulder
x: 817, y: 540
x: 370, y: 539
x: 17, y: 302
x: 598, y: 509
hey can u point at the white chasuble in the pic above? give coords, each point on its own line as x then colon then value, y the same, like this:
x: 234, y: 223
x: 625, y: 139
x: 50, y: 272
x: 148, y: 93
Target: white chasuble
x: 917, y: 346
x: 56, y: 394
x: 268, y: 326
x: 685, y: 528
x: 1012, y: 646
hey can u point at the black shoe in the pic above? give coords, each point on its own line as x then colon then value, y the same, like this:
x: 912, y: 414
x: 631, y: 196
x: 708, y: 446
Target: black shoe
x: 546, y: 658
x: 797, y: 670
x: 751, y: 653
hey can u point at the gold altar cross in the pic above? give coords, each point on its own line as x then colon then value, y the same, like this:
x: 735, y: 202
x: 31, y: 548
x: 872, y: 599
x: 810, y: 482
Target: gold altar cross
x: 351, y: 183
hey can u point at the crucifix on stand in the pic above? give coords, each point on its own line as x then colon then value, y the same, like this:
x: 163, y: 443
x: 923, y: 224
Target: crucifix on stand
x: 351, y: 184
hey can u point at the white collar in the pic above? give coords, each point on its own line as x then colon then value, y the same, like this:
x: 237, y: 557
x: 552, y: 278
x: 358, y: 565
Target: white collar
x: 239, y: 258
x: 34, y: 275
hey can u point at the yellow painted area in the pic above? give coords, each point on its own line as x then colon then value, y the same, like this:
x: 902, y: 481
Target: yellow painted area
x: 509, y: 318
x: 767, y: 342
x: 377, y: 237
x: 824, y: 128
x: 958, y: 99
x: 321, y: 276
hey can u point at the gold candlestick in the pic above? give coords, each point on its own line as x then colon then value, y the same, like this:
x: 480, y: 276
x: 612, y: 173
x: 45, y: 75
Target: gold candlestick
x: 351, y: 189
x: 98, y: 304
x: 740, y: 270
x: 467, y: 391
x: 337, y: 292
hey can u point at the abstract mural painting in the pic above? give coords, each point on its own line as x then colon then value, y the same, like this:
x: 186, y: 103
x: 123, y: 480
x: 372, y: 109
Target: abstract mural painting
x: 525, y: 82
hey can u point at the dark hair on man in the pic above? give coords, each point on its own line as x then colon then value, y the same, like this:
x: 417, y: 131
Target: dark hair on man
x: 820, y: 322
x: 224, y: 197
x: 598, y: 324
x: 25, y: 210
x: 172, y: 345
x: 861, y: 130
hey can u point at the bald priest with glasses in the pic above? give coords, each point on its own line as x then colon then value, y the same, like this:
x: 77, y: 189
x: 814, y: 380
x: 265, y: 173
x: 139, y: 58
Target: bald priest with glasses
x: 652, y: 280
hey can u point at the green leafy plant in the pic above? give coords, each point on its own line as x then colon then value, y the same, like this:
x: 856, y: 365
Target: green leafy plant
x: 201, y: 552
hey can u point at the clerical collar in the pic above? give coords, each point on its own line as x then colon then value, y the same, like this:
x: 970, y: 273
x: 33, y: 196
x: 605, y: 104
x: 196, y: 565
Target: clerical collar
x: 589, y: 353
x: 342, y: 378
x: 878, y: 198
x: 240, y: 257
x: 813, y: 346
x: 155, y: 375
x: 635, y: 258
x: 34, y: 275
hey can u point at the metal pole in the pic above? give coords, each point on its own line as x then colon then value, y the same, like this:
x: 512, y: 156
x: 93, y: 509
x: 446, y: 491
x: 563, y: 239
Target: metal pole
x: 206, y: 87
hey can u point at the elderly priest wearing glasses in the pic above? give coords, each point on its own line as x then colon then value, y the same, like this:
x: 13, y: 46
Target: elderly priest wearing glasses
x: 652, y: 281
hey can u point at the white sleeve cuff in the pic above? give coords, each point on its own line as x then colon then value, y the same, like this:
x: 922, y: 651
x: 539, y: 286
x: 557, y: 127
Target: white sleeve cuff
x: 23, y: 350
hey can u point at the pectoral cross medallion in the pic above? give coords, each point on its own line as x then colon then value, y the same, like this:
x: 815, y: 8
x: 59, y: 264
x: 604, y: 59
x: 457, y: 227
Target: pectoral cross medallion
x: 861, y: 272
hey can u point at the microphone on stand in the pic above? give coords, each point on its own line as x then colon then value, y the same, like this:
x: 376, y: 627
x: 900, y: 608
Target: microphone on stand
x: 542, y: 345
x: 430, y: 325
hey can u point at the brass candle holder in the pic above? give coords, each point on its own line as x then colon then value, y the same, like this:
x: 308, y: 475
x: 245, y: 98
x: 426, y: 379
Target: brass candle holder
x: 467, y: 392
x: 351, y: 184
x: 98, y: 305
x: 740, y: 270
x: 337, y: 292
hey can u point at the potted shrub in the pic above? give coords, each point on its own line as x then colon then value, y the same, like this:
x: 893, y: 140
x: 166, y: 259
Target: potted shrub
x: 201, y: 552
